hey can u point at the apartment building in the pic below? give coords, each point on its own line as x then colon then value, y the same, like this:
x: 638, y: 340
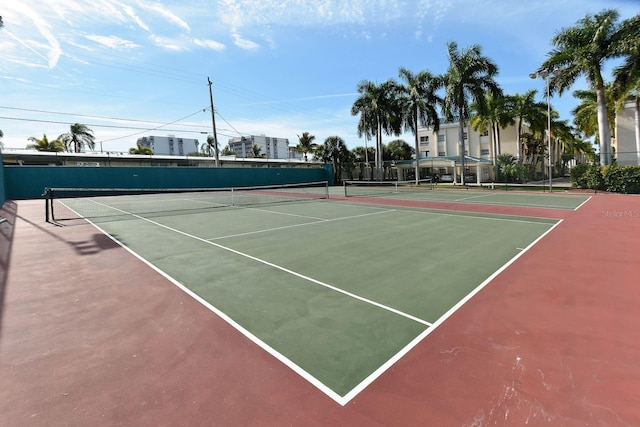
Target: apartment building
x: 270, y: 147
x: 625, y: 145
x: 169, y: 145
x: 440, y: 152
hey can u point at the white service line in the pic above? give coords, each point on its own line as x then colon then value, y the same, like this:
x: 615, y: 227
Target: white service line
x: 284, y: 227
x: 276, y: 266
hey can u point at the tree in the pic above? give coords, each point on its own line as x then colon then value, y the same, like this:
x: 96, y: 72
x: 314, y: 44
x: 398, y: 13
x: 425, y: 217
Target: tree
x: 626, y: 84
x: 495, y: 116
x: 582, y: 50
x: 419, y: 102
x: 256, y: 152
x: 139, y: 149
x: 585, y: 114
x: 334, y: 151
x: 525, y: 109
x: 470, y: 77
x: 78, y: 136
x: 398, y: 149
x: 45, y: 145
x: 380, y: 112
x: 227, y: 151
x: 306, y: 144
x: 209, y: 148
x: 1, y: 136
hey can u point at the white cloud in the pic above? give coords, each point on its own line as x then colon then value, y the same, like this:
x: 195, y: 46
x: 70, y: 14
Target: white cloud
x: 243, y: 43
x: 112, y: 42
x: 209, y: 44
x: 133, y: 15
x: 165, y: 13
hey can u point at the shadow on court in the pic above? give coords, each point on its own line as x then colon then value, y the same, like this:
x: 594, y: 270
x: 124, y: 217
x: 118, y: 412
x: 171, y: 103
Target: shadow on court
x: 7, y: 218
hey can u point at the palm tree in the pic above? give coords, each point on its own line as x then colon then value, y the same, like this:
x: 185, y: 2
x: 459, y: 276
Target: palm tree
x: 209, y: 148
x: 496, y: 116
x: 45, y: 145
x: 334, y: 151
x: 306, y: 144
x: 419, y: 105
x: 585, y: 114
x: 78, y: 136
x: 139, y: 149
x: 256, y: 152
x: 525, y: 109
x: 626, y: 85
x: 380, y: 111
x: 470, y: 77
x: 1, y: 136
x: 582, y: 50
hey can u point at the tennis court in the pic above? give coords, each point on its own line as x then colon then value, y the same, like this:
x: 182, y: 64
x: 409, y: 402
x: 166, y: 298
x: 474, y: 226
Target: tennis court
x: 477, y: 195
x: 313, y: 311
x: 337, y: 291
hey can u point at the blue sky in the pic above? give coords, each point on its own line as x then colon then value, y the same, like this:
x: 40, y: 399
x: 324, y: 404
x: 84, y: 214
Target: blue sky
x: 132, y: 68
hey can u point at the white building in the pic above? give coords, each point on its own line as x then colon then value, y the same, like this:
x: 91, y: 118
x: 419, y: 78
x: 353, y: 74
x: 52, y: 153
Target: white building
x: 270, y: 147
x: 625, y: 144
x: 169, y: 145
x: 440, y: 152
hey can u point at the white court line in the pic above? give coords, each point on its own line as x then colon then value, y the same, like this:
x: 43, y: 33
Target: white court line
x: 580, y: 205
x: 342, y: 400
x: 474, y: 197
x: 374, y: 375
x: 284, y: 227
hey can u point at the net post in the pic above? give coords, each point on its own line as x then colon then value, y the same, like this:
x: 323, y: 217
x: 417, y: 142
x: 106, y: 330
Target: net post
x: 47, y: 196
x: 344, y: 186
x: 326, y: 189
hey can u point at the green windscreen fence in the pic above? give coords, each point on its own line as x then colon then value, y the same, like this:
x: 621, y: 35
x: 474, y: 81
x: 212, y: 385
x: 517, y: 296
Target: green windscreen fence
x: 3, y: 195
x: 29, y: 182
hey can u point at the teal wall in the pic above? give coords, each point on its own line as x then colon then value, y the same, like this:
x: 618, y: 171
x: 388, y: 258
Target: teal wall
x: 2, y: 188
x: 28, y: 182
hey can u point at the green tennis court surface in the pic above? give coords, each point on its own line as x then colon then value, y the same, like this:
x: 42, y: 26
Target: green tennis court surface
x: 337, y: 291
x: 496, y: 196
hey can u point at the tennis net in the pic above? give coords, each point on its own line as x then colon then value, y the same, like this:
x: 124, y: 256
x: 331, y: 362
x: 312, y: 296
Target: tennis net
x: 73, y: 203
x: 380, y: 188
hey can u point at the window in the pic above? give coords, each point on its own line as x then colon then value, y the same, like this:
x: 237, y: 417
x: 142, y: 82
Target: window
x: 441, y: 154
x: 485, y: 133
x: 484, y: 152
x: 424, y: 139
x: 440, y: 137
x: 465, y: 136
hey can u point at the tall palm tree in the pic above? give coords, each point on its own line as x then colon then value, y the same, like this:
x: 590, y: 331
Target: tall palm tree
x: 468, y: 79
x: 585, y: 114
x: 626, y: 85
x: 78, y: 136
x: 525, y: 109
x: 582, y: 50
x: 306, y: 144
x: 496, y: 116
x: 420, y: 103
x: 380, y: 112
x: 45, y: 145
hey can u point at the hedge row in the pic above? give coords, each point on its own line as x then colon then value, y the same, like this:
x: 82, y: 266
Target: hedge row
x: 617, y: 179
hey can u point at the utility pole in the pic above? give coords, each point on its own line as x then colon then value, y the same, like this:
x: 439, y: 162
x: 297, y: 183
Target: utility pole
x: 213, y: 120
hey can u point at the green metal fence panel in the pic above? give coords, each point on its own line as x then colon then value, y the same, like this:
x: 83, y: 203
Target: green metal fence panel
x: 28, y: 182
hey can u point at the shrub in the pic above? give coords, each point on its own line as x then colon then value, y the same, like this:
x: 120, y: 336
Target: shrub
x: 622, y: 179
x: 578, y: 175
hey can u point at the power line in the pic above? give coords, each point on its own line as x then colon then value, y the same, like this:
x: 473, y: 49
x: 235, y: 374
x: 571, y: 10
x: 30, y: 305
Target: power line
x: 100, y: 117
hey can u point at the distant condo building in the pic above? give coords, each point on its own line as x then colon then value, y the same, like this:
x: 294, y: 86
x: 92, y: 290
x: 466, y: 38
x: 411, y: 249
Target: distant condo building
x: 169, y: 145
x: 270, y: 147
